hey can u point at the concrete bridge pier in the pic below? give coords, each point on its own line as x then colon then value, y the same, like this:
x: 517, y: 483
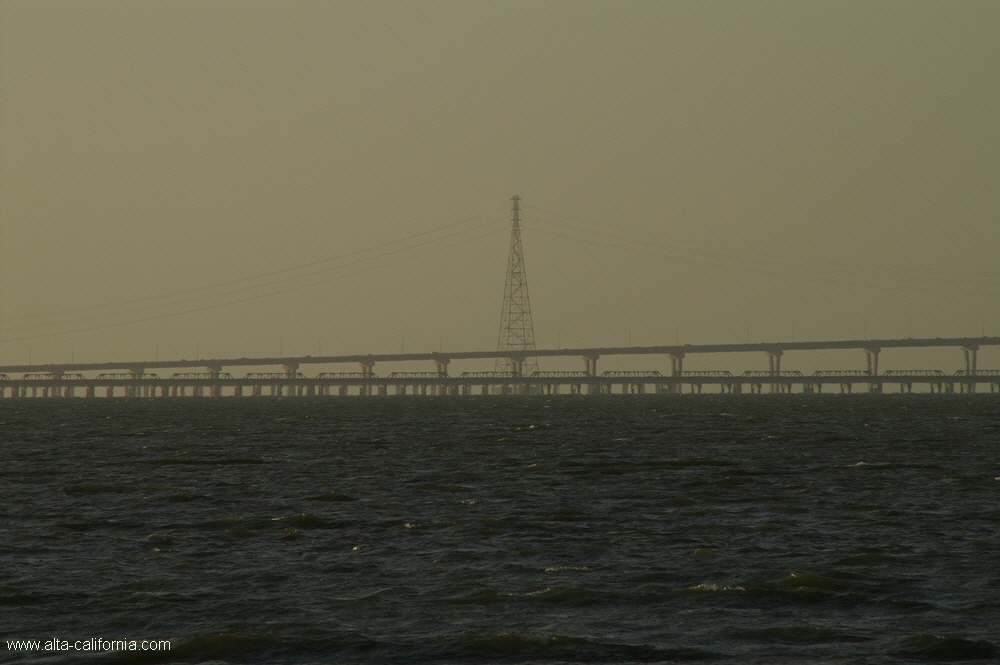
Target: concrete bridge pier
x: 517, y: 366
x: 676, y: 363
x: 291, y: 372
x: 213, y: 373
x: 590, y: 369
x: 676, y: 369
x: 970, y: 367
x: 441, y: 368
x: 367, y: 372
x: 774, y: 366
x: 871, y: 357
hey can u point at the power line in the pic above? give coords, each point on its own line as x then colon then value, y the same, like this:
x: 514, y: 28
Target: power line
x: 487, y: 233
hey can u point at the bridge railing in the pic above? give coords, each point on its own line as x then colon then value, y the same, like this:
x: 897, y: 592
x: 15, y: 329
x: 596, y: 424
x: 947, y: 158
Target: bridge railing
x: 489, y: 375
x: 768, y: 373
x: 48, y: 376
x: 988, y: 373
x: 913, y: 372
x: 703, y: 373
x: 346, y: 375
x: 274, y: 375
x: 119, y: 376
x: 201, y: 375
x: 625, y: 374
x: 416, y: 375
x: 559, y: 375
x: 842, y: 372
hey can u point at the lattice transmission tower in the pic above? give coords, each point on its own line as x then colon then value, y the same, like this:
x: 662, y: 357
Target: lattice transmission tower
x: 517, y: 334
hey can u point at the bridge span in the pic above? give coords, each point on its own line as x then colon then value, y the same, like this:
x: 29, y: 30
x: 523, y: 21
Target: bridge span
x: 142, y: 378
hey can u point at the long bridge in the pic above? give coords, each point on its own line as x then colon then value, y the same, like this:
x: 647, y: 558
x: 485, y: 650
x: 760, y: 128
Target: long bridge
x: 214, y: 377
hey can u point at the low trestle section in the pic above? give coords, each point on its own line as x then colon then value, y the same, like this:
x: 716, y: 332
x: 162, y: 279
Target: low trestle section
x: 206, y: 378
x: 281, y: 384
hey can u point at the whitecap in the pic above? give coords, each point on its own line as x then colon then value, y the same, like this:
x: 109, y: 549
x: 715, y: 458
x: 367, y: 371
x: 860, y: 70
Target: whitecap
x: 568, y: 569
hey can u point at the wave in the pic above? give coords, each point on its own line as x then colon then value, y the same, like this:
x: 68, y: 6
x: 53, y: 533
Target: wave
x: 569, y: 569
x: 527, y: 647
x: 810, y: 581
x: 572, y: 596
x: 195, y: 461
x: 797, y: 635
x: 331, y: 496
x: 938, y: 647
x: 95, y: 488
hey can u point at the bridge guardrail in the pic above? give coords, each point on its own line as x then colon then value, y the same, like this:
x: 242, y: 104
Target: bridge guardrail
x: 346, y: 375
x: 703, y: 373
x: 417, y: 375
x: 768, y: 373
x: 842, y: 372
x: 274, y: 375
x: 489, y: 375
x: 913, y: 372
x: 625, y: 374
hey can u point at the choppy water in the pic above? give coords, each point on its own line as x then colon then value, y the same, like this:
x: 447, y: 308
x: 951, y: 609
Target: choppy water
x: 861, y: 529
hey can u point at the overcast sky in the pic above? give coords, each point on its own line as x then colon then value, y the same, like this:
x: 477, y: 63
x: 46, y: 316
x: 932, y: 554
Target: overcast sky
x: 223, y: 179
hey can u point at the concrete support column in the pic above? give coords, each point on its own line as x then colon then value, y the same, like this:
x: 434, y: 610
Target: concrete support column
x: 136, y: 375
x: 970, y: 358
x: 970, y: 365
x: 774, y: 361
x: 590, y: 369
x: 213, y: 373
x: 367, y: 372
x: 871, y: 355
x: 676, y: 363
x: 774, y: 366
x: 441, y: 367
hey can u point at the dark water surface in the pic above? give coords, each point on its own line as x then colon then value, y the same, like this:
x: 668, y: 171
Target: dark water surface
x: 860, y: 529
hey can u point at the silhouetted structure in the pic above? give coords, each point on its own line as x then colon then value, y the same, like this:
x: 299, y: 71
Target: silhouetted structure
x: 517, y: 334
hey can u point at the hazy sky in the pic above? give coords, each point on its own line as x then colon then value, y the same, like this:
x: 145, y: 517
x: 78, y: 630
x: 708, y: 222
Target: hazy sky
x: 692, y: 171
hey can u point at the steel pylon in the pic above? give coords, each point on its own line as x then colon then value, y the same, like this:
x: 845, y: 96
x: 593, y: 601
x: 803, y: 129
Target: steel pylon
x: 517, y: 334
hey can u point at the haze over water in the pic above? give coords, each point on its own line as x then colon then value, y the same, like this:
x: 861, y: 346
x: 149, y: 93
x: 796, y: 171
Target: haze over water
x: 219, y: 180
x: 763, y: 529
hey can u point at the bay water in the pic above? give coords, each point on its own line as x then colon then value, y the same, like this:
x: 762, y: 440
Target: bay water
x: 563, y: 529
